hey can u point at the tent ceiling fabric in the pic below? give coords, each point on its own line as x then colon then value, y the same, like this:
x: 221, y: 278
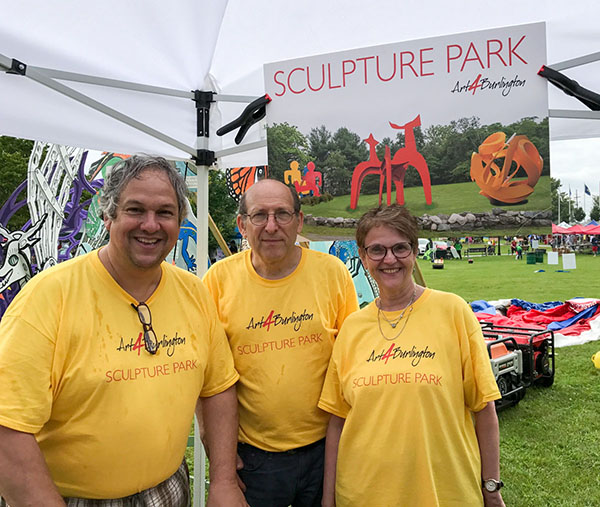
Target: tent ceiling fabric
x: 152, y: 42
x: 175, y: 44
x: 275, y: 31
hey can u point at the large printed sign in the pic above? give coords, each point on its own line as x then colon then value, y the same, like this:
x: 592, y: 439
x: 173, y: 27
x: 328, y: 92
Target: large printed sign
x: 444, y: 125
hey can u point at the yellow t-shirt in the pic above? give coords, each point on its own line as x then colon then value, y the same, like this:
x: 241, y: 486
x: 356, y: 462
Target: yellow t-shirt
x: 281, y: 333
x: 409, y: 437
x: 110, y: 418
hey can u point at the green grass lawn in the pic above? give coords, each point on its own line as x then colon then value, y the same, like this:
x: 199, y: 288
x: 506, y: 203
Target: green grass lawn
x: 549, y: 442
x: 451, y: 198
x: 502, y: 277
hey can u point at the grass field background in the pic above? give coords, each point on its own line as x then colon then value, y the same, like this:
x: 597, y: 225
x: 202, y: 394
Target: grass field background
x: 502, y: 277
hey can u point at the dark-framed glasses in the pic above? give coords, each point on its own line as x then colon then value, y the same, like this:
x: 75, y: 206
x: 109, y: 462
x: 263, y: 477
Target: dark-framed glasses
x: 282, y: 217
x: 377, y: 252
x: 150, y: 341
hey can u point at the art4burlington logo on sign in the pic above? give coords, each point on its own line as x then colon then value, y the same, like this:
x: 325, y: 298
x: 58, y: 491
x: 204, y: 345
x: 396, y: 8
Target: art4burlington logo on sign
x: 480, y: 83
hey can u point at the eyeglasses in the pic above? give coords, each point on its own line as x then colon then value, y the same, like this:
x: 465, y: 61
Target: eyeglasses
x: 282, y: 217
x: 378, y: 252
x: 150, y: 341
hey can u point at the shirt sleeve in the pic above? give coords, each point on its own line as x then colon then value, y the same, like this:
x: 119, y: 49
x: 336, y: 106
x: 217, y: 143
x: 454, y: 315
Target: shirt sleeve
x: 26, y: 391
x: 220, y: 372
x: 332, y: 398
x: 479, y: 383
x: 211, y: 285
x: 349, y: 299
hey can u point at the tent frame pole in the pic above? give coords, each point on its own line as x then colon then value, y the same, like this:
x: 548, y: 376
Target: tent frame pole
x: 576, y: 62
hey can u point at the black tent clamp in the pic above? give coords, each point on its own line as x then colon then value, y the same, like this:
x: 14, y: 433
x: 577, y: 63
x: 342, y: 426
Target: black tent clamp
x: 17, y: 67
x: 571, y: 87
x: 254, y: 112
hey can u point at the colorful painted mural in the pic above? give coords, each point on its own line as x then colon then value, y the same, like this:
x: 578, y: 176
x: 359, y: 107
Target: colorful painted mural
x: 347, y: 252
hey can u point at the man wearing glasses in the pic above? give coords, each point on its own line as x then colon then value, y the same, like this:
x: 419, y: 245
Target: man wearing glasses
x: 282, y: 307
x: 103, y: 359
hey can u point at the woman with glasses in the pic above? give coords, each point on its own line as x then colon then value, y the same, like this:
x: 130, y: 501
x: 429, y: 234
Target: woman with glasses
x: 410, y: 388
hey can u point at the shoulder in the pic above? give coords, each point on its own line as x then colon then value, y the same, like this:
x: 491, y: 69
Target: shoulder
x: 444, y: 303
x: 178, y: 273
x: 356, y: 323
x: 58, y: 274
x: 229, y: 264
x: 449, y: 298
x: 55, y: 284
x: 324, y: 261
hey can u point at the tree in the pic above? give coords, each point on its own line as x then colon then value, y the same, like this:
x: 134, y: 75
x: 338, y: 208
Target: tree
x: 336, y: 180
x: 347, y: 151
x: 578, y: 214
x: 285, y: 144
x: 14, y: 157
x: 595, y: 213
x: 222, y: 208
x: 319, y: 146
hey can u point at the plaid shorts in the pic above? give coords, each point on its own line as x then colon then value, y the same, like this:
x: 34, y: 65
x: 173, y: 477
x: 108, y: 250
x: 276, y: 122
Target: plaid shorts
x: 172, y: 492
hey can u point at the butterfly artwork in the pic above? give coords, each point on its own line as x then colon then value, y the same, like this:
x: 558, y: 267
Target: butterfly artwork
x: 240, y: 179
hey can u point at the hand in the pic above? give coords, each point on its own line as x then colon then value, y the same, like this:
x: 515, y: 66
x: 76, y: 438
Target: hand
x: 225, y: 494
x: 492, y: 499
x: 239, y: 464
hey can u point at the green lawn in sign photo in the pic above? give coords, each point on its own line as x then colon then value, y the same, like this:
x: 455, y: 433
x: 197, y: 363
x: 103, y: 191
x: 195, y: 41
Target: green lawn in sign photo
x: 447, y: 199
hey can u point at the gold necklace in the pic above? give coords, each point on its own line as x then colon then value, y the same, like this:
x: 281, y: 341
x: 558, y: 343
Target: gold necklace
x: 394, y: 322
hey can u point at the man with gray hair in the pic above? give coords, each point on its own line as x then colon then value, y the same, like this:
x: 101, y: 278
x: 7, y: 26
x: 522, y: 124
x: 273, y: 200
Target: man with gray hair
x: 103, y: 359
x: 281, y: 306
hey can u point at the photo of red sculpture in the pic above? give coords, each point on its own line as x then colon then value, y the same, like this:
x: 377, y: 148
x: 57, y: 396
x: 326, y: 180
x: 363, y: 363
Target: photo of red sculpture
x: 392, y: 169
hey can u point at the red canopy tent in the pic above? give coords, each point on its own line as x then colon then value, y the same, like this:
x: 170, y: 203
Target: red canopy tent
x: 576, y: 229
x: 559, y: 230
x: 593, y: 229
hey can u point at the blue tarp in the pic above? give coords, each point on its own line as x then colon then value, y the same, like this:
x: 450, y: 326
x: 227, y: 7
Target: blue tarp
x: 483, y: 306
x: 542, y: 307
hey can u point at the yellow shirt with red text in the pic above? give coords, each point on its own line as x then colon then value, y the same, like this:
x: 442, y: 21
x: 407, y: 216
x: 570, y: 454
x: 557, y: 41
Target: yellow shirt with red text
x: 281, y: 333
x: 110, y: 418
x: 408, y: 436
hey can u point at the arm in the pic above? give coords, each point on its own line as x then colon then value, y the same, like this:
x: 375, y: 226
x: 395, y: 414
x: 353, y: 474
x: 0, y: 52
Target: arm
x: 220, y: 424
x: 488, y: 438
x: 24, y: 476
x: 334, y: 431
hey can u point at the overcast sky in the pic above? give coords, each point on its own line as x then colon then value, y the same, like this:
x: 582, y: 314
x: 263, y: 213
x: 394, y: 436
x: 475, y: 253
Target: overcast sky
x: 575, y: 163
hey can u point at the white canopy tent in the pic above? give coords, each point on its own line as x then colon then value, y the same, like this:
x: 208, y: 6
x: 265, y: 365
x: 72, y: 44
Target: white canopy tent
x: 220, y: 45
x: 118, y: 75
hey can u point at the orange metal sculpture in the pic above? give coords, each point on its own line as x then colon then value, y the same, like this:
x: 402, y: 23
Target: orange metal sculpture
x: 495, y: 177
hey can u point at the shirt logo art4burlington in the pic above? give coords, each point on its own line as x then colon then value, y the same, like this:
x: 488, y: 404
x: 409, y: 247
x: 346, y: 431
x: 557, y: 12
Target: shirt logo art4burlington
x: 276, y: 319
